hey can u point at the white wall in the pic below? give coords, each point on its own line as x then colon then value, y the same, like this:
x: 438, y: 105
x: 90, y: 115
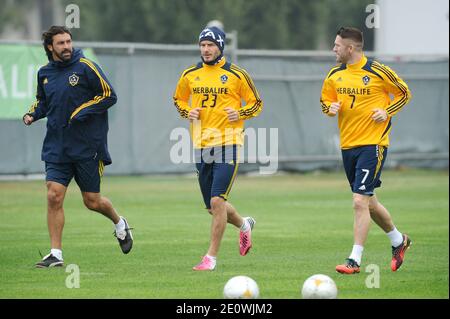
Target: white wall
x: 413, y: 27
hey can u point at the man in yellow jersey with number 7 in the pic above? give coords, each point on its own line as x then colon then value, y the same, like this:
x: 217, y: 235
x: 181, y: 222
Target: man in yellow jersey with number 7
x: 359, y: 91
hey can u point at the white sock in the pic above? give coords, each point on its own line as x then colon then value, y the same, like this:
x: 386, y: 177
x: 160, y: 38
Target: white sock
x: 245, y: 225
x: 396, y: 237
x: 57, y: 253
x: 356, y: 254
x: 212, y: 258
x: 120, y: 225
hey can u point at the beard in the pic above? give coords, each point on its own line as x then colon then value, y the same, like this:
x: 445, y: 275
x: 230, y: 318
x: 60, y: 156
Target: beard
x: 341, y: 59
x: 62, y: 57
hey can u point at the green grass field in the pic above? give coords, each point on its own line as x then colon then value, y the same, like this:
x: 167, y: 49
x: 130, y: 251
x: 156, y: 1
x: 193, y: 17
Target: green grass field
x: 304, y: 227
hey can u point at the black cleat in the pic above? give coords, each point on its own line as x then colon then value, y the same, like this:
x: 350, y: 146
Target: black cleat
x: 125, y: 238
x: 49, y: 261
x: 350, y: 267
x: 398, y: 253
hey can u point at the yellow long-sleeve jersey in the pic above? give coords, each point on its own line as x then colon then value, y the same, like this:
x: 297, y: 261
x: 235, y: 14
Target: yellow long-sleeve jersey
x: 213, y: 88
x: 361, y: 88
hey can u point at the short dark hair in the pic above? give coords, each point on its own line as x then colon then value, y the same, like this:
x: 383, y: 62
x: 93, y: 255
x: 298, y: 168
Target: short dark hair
x: 47, y: 37
x: 351, y: 33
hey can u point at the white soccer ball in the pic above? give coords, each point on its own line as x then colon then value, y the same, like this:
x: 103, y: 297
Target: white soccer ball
x: 319, y: 287
x: 241, y: 287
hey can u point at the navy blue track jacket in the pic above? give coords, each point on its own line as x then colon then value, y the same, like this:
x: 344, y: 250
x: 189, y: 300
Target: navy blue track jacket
x: 74, y: 96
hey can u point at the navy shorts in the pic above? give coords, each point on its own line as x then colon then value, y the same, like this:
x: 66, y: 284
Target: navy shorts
x: 217, y: 168
x: 363, y: 167
x: 87, y: 174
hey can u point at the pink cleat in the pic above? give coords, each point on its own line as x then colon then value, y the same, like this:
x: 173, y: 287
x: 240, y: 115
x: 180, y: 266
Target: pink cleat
x: 245, y: 238
x: 205, y: 264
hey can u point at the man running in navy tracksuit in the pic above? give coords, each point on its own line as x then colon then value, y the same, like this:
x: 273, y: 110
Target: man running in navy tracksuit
x: 74, y: 94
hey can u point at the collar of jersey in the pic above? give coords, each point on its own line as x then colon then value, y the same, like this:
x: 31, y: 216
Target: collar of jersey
x: 218, y: 65
x: 359, y: 64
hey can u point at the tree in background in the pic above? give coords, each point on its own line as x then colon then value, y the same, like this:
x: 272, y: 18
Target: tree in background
x: 261, y: 24
x: 13, y: 13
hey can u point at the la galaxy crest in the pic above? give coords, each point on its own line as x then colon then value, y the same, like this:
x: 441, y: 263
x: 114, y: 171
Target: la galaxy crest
x: 224, y: 79
x: 366, y: 79
x: 73, y: 79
